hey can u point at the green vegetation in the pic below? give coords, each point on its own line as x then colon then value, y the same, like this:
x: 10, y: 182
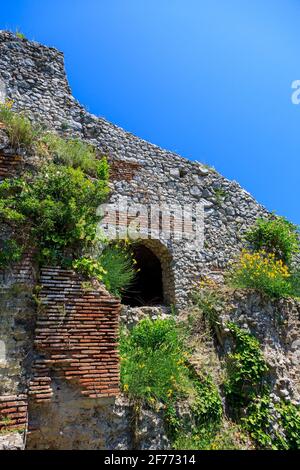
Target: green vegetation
x: 199, y: 429
x: 220, y: 195
x: 246, y: 386
x: 10, y: 252
x: 209, y: 300
x: 247, y: 391
x: 74, y: 153
x: 21, y: 132
x: 246, y: 368
x: 118, y: 264
x: 66, y: 152
x: 20, y: 35
x: 261, y: 271
x: 229, y: 436
x: 57, y: 207
x: 268, y: 268
x: 89, y: 267
x: 277, y: 236
x: 153, y: 365
x: 273, y: 426
x: 155, y: 371
x: 114, y: 267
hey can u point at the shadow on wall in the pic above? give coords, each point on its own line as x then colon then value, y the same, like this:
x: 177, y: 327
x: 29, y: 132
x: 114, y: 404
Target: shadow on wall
x: 153, y: 284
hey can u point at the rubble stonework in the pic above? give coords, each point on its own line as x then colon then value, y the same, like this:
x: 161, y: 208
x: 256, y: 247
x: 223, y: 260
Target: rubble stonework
x: 276, y: 324
x: 34, y: 77
x: 70, y: 379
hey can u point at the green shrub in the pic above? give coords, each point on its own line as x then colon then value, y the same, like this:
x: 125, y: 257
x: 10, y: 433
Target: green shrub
x: 89, y: 267
x: 152, y: 361
x: 220, y: 195
x: 6, y: 112
x: 258, y: 421
x: 246, y: 368
x: 154, y: 370
x: 277, y: 236
x: 195, y: 439
x: 76, y: 154
x: 57, y: 207
x: 207, y: 405
x: 21, y: 133
x: 10, y: 252
x: 228, y: 436
x: 263, y: 272
x: 295, y: 282
x: 118, y: 264
x: 271, y: 426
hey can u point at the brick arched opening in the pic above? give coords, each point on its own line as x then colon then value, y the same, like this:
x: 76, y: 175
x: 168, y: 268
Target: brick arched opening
x: 154, y: 284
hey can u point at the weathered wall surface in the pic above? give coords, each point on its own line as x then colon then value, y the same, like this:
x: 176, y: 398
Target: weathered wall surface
x: 34, y: 76
x: 13, y: 413
x: 76, y: 336
x: 70, y: 421
x: 17, y: 321
x: 74, y: 333
x: 276, y: 324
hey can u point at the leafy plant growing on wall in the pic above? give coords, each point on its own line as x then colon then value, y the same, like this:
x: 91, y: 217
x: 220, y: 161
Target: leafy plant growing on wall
x: 118, y: 263
x: 271, y: 425
x: 268, y: 266
x: 56, y: 208
x: 246, y: 368
x: 22, y: 134
x: 263, y: 272
x: 276, y: 236
x: 73, y: 153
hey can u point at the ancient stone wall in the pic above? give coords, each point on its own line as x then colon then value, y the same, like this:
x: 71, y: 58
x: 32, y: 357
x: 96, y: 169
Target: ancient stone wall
x: 68, y: 338
x: 17, y: 321
x: 276, y: 324
x: 34, y: 76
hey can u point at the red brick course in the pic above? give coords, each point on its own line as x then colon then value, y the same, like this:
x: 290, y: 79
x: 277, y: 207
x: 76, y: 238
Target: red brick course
x: 77, y: 333
x: 9, y: 164
x: 121, y: 170
x: 13, y: 413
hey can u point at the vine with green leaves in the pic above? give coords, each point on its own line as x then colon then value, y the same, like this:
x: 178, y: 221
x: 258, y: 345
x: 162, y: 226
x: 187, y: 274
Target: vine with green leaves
x: 271, y: 425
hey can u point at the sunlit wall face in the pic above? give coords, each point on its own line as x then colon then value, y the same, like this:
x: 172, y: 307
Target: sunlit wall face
x: 210, y: 80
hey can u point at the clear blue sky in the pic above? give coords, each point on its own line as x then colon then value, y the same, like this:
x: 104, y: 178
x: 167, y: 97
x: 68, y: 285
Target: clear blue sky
x: 210, y: 79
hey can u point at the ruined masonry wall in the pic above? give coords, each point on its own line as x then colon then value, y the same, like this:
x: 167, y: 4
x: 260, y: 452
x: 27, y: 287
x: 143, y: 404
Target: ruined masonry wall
x: 76, y: 336
x: 13, y: 413
x: 72, y: 339
x: 34, y: 76
x: 276, y: 324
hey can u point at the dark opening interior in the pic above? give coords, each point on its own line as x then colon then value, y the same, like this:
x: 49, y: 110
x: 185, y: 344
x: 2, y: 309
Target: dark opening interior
x: 147, y: 288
